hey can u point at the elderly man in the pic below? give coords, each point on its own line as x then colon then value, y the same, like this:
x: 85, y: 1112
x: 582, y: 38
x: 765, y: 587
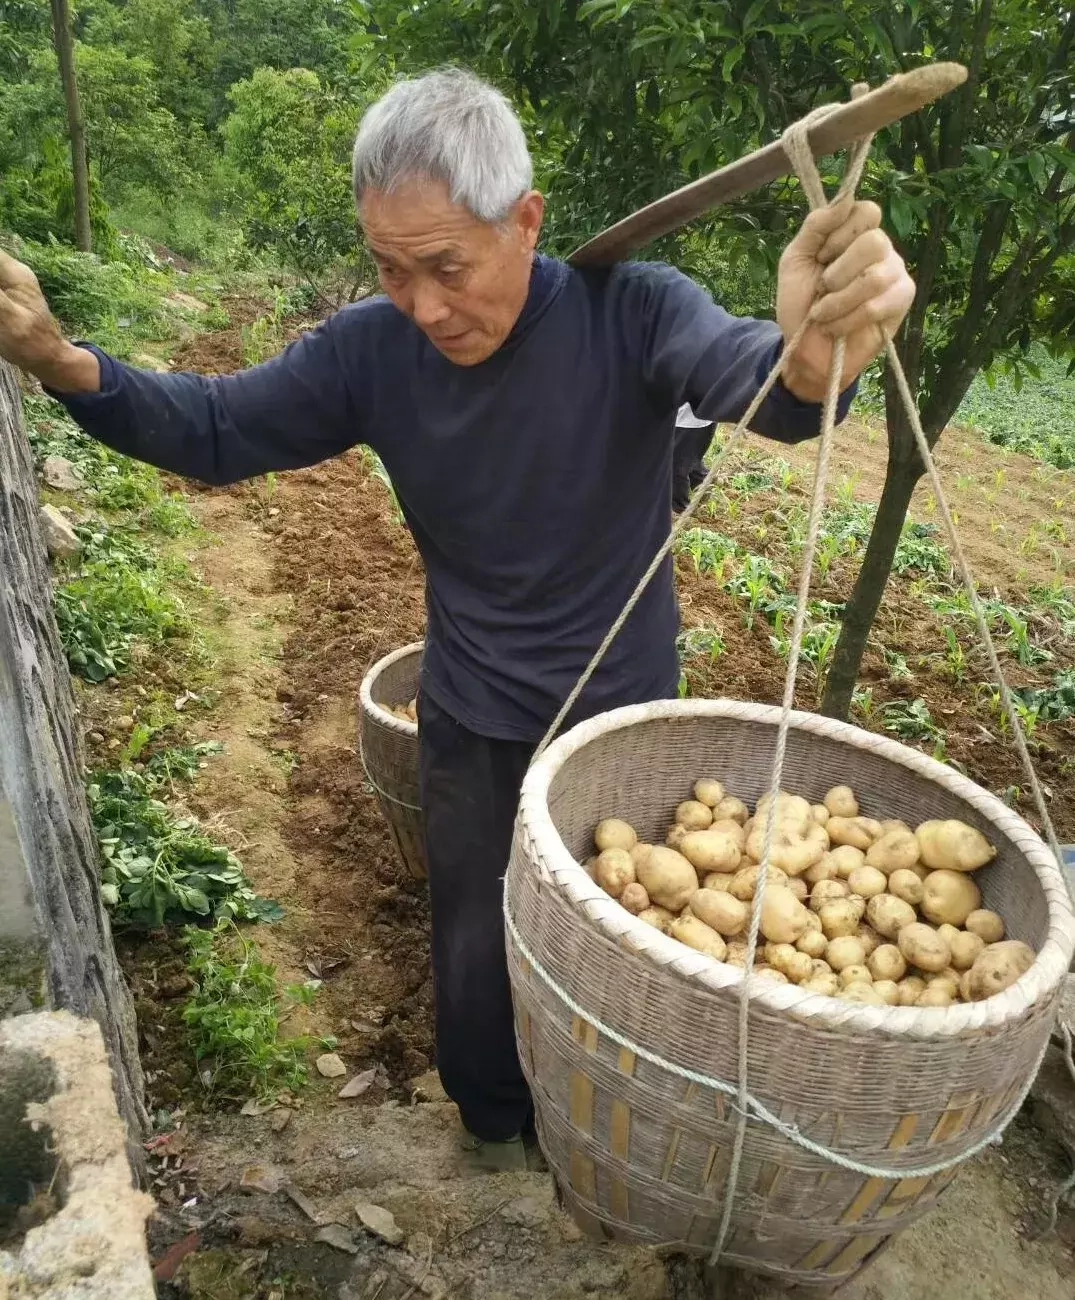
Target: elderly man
x: 525, y: 413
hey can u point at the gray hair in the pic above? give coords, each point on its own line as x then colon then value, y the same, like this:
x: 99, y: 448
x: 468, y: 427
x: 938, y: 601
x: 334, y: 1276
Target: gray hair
x: 446, y: 126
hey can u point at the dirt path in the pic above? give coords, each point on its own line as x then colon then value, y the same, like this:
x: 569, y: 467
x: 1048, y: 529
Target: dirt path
x: 312, y: 578
x: 307, y: 576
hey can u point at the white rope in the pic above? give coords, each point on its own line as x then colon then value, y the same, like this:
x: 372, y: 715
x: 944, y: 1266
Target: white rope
x: 797, y: 147
x: 750, y: 1106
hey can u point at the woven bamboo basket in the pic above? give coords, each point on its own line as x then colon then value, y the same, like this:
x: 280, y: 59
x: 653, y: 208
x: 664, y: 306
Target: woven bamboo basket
x: 389, y: 749
x: 608, y: 1009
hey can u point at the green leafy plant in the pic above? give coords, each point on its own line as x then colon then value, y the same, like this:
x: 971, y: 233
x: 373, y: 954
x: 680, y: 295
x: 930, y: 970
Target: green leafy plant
x: 1052, y: 703
x: 121, y: 591
x: 235, y: 1016
x: 911, y: 720
x: 159, y: 868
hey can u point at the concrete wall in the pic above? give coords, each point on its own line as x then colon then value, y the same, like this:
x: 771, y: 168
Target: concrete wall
x: 55, y: 941
x: 72, y: 1223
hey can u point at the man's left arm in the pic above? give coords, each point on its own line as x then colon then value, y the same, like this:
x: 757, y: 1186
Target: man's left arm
x: 840, y: 271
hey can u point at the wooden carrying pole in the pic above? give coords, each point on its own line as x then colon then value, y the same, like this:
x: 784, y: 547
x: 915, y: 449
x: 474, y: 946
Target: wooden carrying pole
x: 898, y: 97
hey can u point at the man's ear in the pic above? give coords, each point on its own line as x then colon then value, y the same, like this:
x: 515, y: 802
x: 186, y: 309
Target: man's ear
x: 529, y: 213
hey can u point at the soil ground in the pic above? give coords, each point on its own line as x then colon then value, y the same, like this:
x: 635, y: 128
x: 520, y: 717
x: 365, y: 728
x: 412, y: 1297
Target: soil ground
x: 312, y: 579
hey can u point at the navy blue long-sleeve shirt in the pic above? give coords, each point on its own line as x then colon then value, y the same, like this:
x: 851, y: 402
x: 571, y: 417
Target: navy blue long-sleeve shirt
x: 536, y: 484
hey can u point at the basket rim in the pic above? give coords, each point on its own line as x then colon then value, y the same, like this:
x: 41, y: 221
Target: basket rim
x: 365, y: 690
x: 1051, y: 963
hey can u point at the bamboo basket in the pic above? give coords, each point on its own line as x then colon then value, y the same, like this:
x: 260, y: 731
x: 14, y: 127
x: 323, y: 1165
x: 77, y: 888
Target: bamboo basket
x: 641, y: 1153
x: 389, y: 749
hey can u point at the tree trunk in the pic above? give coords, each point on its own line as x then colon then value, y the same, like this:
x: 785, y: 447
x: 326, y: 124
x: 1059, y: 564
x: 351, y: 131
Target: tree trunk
x: 65, y: 52
x: 865, y: 599
x: 55, y: 939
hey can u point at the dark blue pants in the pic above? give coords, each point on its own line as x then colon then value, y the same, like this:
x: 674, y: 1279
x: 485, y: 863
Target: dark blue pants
x: 470, y: 791
x: 688, y: 462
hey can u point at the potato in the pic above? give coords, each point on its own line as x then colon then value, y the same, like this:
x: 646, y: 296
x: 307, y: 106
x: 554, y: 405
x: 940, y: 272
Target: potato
x: 813, y: 943
x: 589, y: 866
x: 614, y: 834
x: 825, y: 891
x: 614, y: 870
x: 864, y: 993
x: 732, y: 808
x: 719, y: 880
x: 845, y: 951
x: 745, y: 881
x: 824, y: 869
x: 867, y: 882
x: 668, y: 877
x: 697, y: 935
x: 728, y: 827
x: 895, y: 850
x: 783, y: 917
x: 894, y: 824
x: 998, y: 967
x: 911, y: 988
x: 819, y: 966
x: 841, y: 802
x: 677, y: 833
x: 949, y: 896
x: 710, y: 851
x: 886, y: 962
x: 708, y: 792
x: 906, y: 884
x: 849, y: 830
x: 826, y: 984
x: 634, y: 898
x: 953, y: 846
x: 659, y: 917
x: 987, y: 925
x: 846, y: 858
x: 720, y: 911
x: 923, y: 947
x: 949, y: 979
x: 789, y: 961
x: 694, y: 815
x: 791, y: 811
x: 947, y: 932
x: 737, y: 953
x: 935, y: 995
x: 871, y: 826
x: 855, y: 975
x: 799, y: 888
x: 868, y: 937
x: 639, y: 851
x: 767, y: 972
x: 813, y: 921
x: 820, y: 813
x: 888, y: 991
x: 791, y: 851
x: 841, y: 917
x: 889, y: 915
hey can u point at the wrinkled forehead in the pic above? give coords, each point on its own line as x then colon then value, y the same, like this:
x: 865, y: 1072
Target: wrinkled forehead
x: 418, y: 218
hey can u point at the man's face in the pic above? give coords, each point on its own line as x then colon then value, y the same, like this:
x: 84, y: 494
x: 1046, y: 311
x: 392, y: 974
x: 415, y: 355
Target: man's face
x: 462, y: 281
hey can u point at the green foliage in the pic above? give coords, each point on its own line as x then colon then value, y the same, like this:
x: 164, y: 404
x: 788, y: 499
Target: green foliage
x: 1031, y: 409
x: 911, y: 720
x: 235, y: 1017
x: 287, y: 147
x: 114, y: 483
x: 159, y: 868
x: 1052, y: 703
x: 118, y: 303
x: 121, y: 591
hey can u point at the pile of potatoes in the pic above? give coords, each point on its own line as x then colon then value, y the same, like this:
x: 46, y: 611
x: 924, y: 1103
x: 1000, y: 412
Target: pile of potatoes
x: 865, y: 910
x: 405, y: 712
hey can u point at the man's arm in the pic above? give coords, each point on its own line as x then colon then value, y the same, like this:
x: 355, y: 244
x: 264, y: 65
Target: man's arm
x: 694, y: 351
x: 293, y: 411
